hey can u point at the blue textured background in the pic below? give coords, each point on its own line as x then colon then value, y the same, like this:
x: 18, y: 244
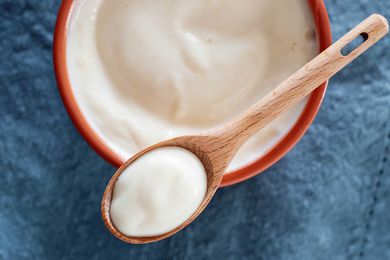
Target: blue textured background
x: 329, y: 198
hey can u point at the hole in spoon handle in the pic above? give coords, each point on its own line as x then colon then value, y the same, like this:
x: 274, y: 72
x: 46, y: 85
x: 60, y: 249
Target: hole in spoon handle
x: 347, y: 49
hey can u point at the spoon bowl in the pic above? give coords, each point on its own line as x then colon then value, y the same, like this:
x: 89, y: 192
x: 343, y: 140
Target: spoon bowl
x: 216, y: 148
x: 207, y: 148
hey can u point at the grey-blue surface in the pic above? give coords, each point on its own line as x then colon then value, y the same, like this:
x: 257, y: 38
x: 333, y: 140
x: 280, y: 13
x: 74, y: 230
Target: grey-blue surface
x: 329, y: 198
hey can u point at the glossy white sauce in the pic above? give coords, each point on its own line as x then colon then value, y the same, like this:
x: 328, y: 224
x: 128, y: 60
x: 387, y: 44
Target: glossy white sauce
x: 144, y: 71
x: 158, y: 192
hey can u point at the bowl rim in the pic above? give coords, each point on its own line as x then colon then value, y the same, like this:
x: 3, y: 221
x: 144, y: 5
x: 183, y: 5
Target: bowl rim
x: 273, y: 155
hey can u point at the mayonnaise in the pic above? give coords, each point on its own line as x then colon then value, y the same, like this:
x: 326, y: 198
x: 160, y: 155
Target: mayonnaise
x: 143, y: 71
x: 158, y: 192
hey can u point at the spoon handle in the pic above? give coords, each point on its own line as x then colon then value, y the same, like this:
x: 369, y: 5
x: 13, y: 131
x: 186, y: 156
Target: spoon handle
x: 306, y: 79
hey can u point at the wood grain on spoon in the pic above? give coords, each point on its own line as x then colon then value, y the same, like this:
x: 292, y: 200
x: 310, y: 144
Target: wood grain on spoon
x: 217, y: 148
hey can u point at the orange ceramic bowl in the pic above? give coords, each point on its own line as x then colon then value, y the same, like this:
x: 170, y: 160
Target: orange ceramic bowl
x: 313, y: 104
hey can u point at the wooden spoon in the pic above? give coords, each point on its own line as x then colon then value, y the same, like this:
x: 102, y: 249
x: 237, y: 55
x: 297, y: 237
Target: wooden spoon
x: 217, y: 148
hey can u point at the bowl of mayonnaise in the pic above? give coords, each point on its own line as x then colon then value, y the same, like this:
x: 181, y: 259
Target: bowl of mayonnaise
x: 134, y: 73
